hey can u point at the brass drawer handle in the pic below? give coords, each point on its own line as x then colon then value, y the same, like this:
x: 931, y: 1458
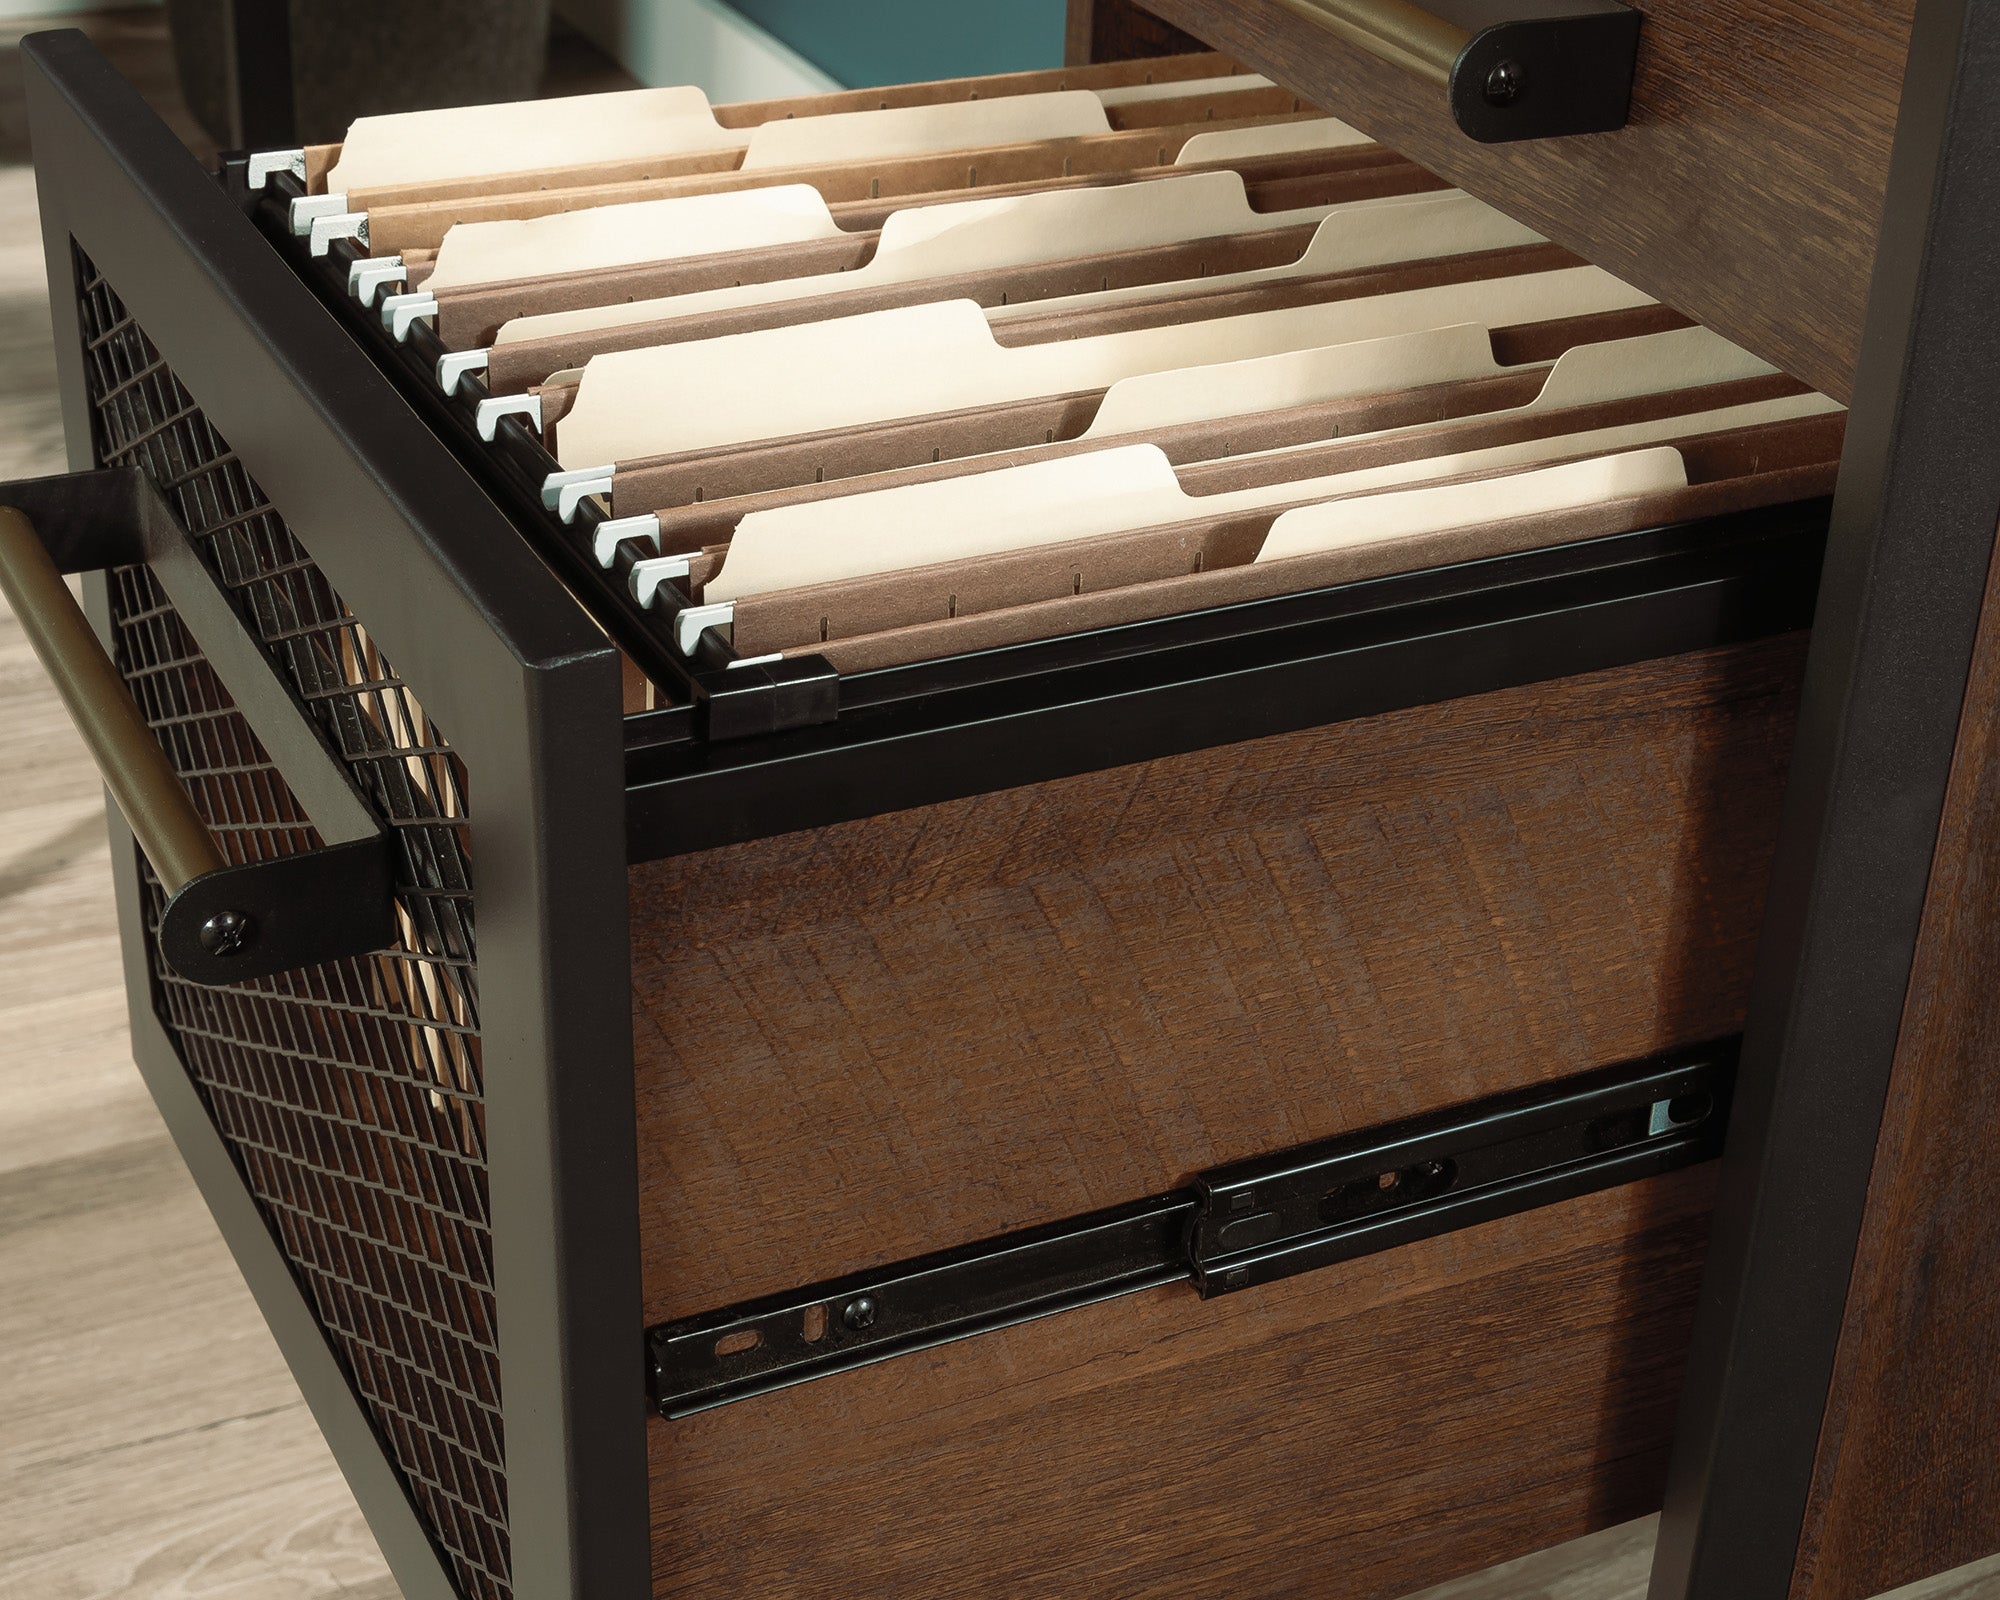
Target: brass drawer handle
x: 134, y: 767
x: 224, y: 922
x: 1510, y: 69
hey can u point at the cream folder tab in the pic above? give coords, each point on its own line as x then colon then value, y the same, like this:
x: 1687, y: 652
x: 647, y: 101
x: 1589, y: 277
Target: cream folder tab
x: 1112, y: 491
x: 1269, y: 139
x: 1368, y: 233
x: 1134, y: 94
x: 1406, y: 513
x: 922, y: 359
x: 481, y: 141
x: 618, y: 236
x: 1685, y: 358
x: 1295, y: 378
x: 1058, y: 225
x: 925, y: 130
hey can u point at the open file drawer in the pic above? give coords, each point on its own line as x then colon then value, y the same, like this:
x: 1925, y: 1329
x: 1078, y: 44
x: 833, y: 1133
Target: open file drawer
x: 791, y: 1033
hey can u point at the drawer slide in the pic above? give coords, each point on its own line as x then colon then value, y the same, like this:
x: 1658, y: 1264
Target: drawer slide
x: 1234, y: 1227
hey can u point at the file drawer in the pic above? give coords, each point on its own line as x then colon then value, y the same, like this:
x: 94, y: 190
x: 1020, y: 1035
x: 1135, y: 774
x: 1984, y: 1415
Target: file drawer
x: 1156, y: 1085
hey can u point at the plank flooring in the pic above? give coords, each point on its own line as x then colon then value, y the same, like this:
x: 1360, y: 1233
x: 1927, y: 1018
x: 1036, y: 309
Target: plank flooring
x: 151, y: 1442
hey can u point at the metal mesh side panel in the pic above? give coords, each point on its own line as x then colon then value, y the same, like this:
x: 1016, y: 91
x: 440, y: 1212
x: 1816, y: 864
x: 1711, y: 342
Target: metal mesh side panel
x: 350, y: 1094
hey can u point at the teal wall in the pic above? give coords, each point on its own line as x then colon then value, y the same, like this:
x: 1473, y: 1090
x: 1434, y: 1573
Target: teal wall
x: 866, y: 42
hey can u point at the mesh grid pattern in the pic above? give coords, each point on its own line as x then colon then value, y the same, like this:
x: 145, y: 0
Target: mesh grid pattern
x: 350, y: 1094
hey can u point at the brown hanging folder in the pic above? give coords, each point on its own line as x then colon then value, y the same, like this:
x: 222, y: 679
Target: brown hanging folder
x: 985, y: 602
x: 1046, y: 80
x: 1264, y: 466
x: 917, y: 444
x: 1206, y: 100
x: 1191, y: 306
x: 1179, y: 300
x: 423, y: 223
x: 700, y: 509
x: 472, y: 316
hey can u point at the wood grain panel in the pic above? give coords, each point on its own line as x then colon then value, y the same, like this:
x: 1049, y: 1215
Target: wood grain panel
x: 1351, y: 1434
x: 1907, y: 1481
x: 858, y: 1044
x: 1746, y: 190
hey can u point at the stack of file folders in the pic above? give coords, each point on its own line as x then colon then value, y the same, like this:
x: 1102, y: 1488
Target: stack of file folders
x: 892, y: 375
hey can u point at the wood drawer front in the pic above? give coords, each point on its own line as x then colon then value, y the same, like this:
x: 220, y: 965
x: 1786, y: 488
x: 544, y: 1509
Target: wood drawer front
x: 1380, y: 1426
x: 919, y: 1030
x: 1746, y: 190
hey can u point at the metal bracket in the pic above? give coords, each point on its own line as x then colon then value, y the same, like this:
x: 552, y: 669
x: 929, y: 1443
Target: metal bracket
x: 264, y: 165
x: 223, y: 923
x: 490, y: 411
x: 1237, y: 1226
x: 401, y: 312
x: 614, y: 531
x: 1511, y: 69
x: 456, y: 364
x: 370, y: 275
x: 577, y: 487
x: 649, y: 577
x: 337, y: 225
x: 306, y: 207
x: 694, y: 621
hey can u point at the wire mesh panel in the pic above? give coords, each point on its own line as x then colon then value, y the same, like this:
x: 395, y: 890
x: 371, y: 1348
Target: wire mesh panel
x: 350, y: 1094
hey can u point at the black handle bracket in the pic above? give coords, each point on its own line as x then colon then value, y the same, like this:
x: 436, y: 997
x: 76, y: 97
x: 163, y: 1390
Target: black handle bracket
x: 252, y: 919
x: 1542, y: 69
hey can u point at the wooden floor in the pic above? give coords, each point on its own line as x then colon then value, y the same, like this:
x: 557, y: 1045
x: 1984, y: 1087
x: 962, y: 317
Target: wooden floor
x: 151, y: 1441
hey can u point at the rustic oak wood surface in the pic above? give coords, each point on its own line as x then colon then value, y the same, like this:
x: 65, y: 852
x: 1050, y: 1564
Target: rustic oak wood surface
x: 1908, y: 1477
x: 918, y: 1030
x: 1746, y: 190
x: 1347, y: 1434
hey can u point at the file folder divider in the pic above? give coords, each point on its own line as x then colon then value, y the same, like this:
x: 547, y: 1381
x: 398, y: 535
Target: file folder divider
x: 707, y: 696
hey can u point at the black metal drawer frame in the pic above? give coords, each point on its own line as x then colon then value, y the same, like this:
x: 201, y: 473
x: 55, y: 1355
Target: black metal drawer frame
x: 420, y: 549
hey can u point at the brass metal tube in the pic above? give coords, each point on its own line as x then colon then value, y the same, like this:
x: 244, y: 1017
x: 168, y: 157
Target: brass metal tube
x: 134, y: 767
x: 1395, y: 31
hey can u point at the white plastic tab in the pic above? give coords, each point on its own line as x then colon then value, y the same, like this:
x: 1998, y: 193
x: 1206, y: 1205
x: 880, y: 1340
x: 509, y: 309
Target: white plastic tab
x: 401, y: 312
x: 611, y: 534
x: 507, y: 405
x: 305, y: 207
x: 692, y: 623
x: 264, y: 165
x: 648, y: 577
x: 554, y: 484
x: 369, y: 276
x: 341, y: 225
x: 571, y: 496
x: 455, y: 364
x: 756, y: 661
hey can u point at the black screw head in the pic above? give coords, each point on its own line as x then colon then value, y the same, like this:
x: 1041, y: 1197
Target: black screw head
x: 1505, y: 83
x: 227, y: 933
x: 859, y: 1314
